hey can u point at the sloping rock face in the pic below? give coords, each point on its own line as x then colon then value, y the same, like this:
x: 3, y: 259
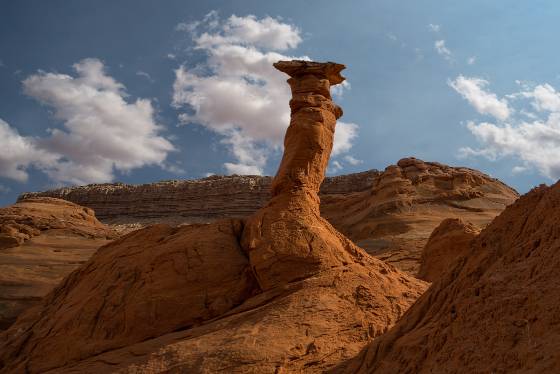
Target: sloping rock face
x: 43, y: 240
x: 449, y: 241
x: 394, y: 219
x: 280, y: 292
x: 497, y: 311
x: 148, y: 283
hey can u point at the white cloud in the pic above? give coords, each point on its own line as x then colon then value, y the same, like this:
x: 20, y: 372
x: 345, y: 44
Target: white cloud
x: 442, y: 50
x: 4, y: 189
x: 472, y: 89
x: 102, y: 132
x: 434, y: 28
x: 344, y: 135
x: 338, y: 90
x: 141, y: 73
x: 471, y: 60
x: 546, y: 98
x: 531, y: 137
x: 237, y: 93
x: 334, y: 167
x: 19, y: 153
x: 352, y: 160
x: 267, y: 33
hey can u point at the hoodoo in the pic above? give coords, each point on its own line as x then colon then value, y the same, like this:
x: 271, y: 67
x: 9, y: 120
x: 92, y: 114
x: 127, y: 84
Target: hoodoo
x: 280, y: 292
x: 288, y: 239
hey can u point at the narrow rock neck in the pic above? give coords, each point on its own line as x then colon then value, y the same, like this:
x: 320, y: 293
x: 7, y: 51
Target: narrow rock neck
x: 309, y: 138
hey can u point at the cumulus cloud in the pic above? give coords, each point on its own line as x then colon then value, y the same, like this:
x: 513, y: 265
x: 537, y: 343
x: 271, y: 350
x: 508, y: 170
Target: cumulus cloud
x: 101, y: 131
x: 344, y: 135
x: 531, y: 137
x: 19, y: 153
x: 473, y: 90
x: 471, y: 60
x: 442, y: 50
x: 267, y: 33
x: 237, y: 93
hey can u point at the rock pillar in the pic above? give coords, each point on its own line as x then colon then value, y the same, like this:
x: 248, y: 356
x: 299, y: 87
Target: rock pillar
x: 288, y: 239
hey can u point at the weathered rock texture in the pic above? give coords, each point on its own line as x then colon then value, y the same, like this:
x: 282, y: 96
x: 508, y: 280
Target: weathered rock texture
x: 497, y: 311
x: 189, y: 201
x: 288, y: 239
x: 391, y: 214
x: 44, y: 239
x: 281, y: 292
x: 448, y: 242
x: 26, y: 219
x: 394, y: 219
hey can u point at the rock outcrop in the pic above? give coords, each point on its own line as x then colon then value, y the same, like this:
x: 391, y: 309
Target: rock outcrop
x: 391, y: 214
x: 496, y: 311
x: 189, y: 201
x: 288, y: 239
x: 394, y: 219
x: 280, y: 292
x: 26, y: 219
x: 43, y: 240
x: 448, y: 242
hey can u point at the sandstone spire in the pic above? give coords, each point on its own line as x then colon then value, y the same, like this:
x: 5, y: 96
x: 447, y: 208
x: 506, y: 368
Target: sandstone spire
x: 309, y: 138
x: 187, y: 299
x: 288, y: 239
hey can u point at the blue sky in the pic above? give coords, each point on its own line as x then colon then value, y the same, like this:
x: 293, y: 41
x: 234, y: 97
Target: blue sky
x: 140, y: 91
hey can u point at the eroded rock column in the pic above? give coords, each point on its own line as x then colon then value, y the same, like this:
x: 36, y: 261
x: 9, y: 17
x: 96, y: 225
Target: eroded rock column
x: 287, y: 239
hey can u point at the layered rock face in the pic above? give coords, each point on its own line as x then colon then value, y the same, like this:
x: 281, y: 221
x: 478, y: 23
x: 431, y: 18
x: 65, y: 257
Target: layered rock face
x: 391, y: 214
x: 189, y: 201
x: 448, y: 242
x: 26, y: 219
x: 43, y: 240
x: 280, y: 292
x: 496, y: 311
x: 394, y: 219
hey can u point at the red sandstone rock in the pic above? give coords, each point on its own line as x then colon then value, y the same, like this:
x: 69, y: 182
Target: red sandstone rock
x: 42, y: 241
x: 185, y: 300
x: 27, y: 218
x: 287, y: 239
x: 390, y: 214
x: 146, y: 284
x: 394, y: 219
x: 496, y: 311
x: 449, y: 241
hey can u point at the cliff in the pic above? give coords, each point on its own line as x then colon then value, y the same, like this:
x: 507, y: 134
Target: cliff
x: 189, y: 201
